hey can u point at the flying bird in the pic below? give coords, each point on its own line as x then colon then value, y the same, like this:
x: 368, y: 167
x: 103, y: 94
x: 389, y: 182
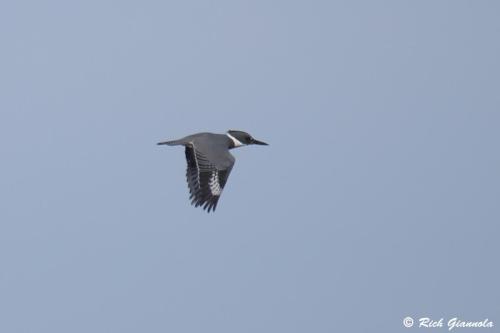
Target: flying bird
x: 209, y: 163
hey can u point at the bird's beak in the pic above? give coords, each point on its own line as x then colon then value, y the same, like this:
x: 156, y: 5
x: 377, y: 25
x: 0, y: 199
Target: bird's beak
x: 257, y: 142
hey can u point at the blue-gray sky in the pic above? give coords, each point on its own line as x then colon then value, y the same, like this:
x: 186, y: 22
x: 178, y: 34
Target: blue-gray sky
x: 378, y: 197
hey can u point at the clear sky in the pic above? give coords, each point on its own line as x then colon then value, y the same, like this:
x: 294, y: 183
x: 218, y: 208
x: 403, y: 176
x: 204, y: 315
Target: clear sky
x: 378, y: 197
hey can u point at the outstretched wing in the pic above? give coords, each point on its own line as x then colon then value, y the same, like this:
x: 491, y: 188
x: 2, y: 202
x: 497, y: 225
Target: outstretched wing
x: 204, y: 179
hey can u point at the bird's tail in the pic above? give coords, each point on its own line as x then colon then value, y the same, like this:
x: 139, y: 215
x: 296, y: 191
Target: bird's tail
x: 171, y: 143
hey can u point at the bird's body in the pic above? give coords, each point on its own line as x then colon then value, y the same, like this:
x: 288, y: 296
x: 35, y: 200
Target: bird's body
x: 209, y: 163
x: 215, y: 147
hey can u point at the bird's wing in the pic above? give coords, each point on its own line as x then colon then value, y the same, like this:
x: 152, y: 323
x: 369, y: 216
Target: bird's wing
x: 205, y: 180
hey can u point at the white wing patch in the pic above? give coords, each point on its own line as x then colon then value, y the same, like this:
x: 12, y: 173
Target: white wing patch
x: 214, y: 183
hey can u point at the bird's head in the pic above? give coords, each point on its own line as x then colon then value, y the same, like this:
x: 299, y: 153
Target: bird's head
x: 240, y: 138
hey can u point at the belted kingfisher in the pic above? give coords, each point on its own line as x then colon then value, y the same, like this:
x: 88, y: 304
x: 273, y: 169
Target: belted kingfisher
x: 209, y: 163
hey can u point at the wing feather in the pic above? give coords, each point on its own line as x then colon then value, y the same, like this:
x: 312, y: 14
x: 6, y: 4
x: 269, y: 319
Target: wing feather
x: 205, y: 180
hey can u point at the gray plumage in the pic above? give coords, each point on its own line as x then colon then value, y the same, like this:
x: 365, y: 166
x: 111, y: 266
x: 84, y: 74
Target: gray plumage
x: 209, y: 163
